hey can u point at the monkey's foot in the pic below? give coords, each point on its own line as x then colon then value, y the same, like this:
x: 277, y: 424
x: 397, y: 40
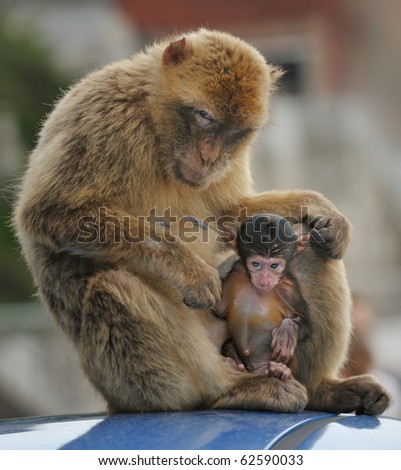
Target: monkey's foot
x: 260, y: 392
x: 362, y: 394
x: 234, y: 364
x: 231, y: 356
x: 371, y: 397
x: 279, y: 370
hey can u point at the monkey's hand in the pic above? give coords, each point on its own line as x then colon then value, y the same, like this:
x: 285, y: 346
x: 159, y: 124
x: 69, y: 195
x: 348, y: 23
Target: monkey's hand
x: 330, y: 231
x: 284, y: 341
x: 330, y: 234
x: 202, y: 288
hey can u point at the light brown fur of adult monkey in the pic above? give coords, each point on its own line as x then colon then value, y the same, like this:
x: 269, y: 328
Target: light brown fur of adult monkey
x: 171, y: 128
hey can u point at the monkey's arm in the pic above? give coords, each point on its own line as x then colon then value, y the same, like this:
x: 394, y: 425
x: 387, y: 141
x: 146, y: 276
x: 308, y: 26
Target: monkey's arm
x: 221, y: 308
x: 292, y: 329
x: 225, y: 268
x: 233, y: 283
x: 111, y: 235
x: 329, y: 229
x: 286, y: 337
x: 284, y: 340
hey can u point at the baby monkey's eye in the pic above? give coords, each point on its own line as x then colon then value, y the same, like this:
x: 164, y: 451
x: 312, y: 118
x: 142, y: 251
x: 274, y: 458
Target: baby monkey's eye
x: 274, y: 265
x: 256, y: 264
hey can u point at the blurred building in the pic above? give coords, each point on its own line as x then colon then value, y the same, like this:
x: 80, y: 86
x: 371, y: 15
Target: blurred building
x: 336, y: 120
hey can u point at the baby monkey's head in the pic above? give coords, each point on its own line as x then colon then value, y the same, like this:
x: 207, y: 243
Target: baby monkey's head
x: 266, y: 244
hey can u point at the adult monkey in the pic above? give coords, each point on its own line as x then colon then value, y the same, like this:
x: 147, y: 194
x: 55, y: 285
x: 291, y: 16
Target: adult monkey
x: 171, y: 129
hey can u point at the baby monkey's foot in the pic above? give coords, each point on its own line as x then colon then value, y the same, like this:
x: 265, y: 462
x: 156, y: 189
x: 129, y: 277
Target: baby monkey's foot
x: 279, y: 370
x: 234, y: 364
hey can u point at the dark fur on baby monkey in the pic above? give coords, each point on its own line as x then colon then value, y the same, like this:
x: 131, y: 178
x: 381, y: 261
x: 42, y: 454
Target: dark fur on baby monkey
x: 266, y: 312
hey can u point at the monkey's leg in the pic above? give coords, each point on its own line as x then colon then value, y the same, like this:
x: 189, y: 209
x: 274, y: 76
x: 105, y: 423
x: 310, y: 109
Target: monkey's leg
x: 261, y: 392
x: 280, y: 370
x: 362, y: 394
x: 230, y: 355
x: 324, y: 285
x: 144, y: 353
x: 140, y: 352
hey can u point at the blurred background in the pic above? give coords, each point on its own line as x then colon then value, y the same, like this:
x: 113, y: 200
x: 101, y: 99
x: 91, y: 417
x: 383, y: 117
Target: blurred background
x: 336, y: 128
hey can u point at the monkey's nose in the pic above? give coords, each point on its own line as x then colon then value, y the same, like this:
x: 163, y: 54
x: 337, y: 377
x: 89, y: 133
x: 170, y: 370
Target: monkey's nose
x: 209, y: 153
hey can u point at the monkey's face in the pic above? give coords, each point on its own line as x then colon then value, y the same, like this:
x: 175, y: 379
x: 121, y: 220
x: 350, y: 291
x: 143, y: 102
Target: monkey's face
x: 265, y: 272
x: 211, y: 100
x: 202, y: 152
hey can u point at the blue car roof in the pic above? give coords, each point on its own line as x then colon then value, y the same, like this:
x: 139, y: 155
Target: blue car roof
x: 203, y: 430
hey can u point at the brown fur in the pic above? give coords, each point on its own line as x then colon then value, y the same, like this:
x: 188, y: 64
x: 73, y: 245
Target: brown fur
x: 118, y: 141
x: 253, y: 320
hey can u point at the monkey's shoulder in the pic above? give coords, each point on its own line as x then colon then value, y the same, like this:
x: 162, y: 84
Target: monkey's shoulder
x: 237, y: 275
x: 287, y: 283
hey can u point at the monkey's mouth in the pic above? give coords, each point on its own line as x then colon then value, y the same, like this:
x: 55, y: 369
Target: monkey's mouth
x: 263, y: 289
x: 185, y: 173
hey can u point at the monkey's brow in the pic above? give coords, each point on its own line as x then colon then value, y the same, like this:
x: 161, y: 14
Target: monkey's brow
x: 280, y: 250
x: 260, y: 252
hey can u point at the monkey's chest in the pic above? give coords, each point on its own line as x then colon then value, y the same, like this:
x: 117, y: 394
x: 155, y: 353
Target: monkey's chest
x: 259, y: 311
x: 251, y: 320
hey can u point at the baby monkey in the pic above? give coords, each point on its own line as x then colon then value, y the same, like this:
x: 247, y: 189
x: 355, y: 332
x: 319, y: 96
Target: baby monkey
x: 266, y: 312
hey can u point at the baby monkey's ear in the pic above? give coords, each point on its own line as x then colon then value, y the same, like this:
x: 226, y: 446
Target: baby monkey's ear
x: 303, y: 236
x: 302, y: 243
x: 176, y: 52
x: 232, y: 237
x: 228, y: 234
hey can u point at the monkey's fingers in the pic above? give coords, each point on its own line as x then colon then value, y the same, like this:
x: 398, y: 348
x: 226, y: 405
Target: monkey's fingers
x: 197, y: 302
x: 274, y: 340
x: 283, y: 349
x: 282, y: 356
x: 279, y: 370
x: 276, y: 355
x: 278, y: 352
x: 321, y: 222
x: 205, y: 290
x: 324, y: 239
x: 330, y: 235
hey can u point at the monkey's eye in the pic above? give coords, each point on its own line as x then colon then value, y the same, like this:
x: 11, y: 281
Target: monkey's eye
x: 203, y: 118
x: 274, y: 265
x: 256, y: 264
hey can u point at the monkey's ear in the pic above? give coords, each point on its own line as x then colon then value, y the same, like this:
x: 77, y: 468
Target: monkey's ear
x: 176, y: 52
x: 276, y: 73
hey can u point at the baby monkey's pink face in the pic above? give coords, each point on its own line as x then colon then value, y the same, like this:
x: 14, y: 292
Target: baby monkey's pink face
x: 264, y: 272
